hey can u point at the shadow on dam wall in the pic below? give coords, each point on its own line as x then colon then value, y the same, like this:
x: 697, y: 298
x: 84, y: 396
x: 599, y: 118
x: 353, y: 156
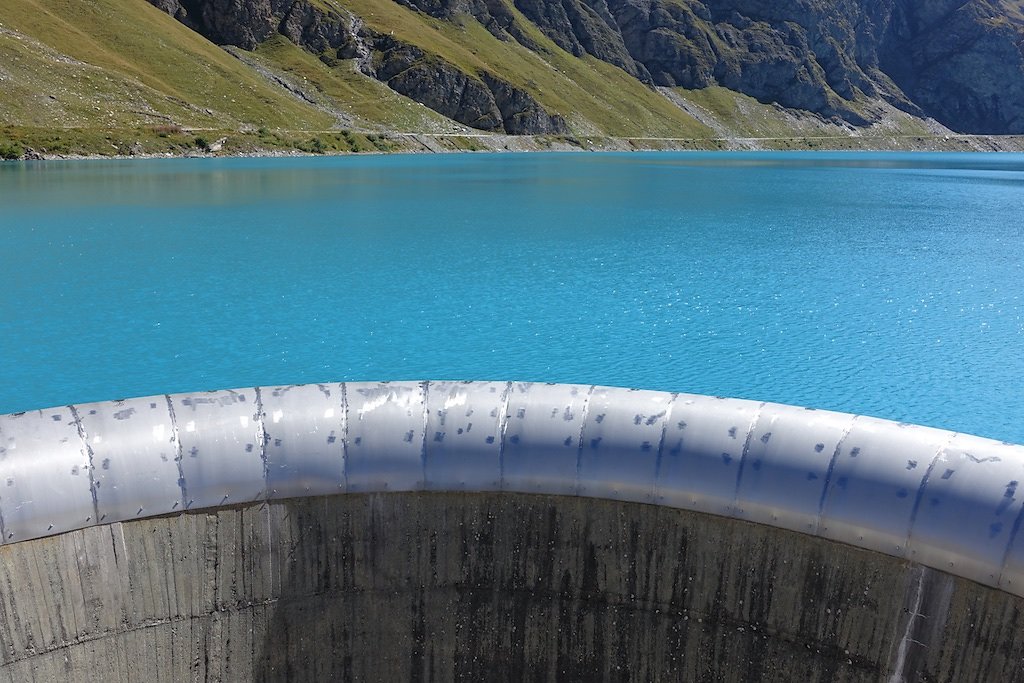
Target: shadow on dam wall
x: 485, y: 586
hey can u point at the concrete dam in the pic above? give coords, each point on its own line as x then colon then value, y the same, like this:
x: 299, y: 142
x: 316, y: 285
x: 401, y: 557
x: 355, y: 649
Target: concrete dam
x: 502, y: 531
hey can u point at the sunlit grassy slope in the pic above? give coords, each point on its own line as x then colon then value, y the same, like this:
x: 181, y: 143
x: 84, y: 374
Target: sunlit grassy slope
x: 740, y: 116
x: 360, y: 100
x: 118, y: 62
x: 593, y: 96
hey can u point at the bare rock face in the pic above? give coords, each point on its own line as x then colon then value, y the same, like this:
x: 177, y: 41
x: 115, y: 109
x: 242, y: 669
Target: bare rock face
x: 584, y: 27
x: 313, y: 28
x: 172, y: 7
x: 437, y: 84
x: 774, y: 65
x: 520, y: 113
x: 247, y: 23
x: 575, y: 26
x: 801, y: 53
x: 243, y: 23
x: 485, y: 102
x: 961, y: 63
x: 672, y: 40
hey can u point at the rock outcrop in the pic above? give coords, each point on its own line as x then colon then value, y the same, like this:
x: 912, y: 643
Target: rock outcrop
x: 247, y: 23
x: 791, y: 53
x: 481, y: 100
x: 961, y: 63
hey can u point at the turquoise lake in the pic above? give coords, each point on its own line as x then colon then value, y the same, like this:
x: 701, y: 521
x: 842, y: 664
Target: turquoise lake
x: 885, y: 284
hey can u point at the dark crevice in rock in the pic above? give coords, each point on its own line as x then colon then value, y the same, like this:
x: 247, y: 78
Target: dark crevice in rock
x: 520, y: 113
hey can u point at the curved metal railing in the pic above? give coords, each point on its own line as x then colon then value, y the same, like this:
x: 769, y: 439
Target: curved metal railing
x: 945, y: 500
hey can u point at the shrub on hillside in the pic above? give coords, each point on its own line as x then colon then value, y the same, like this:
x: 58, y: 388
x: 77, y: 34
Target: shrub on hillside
x: 9, y: 150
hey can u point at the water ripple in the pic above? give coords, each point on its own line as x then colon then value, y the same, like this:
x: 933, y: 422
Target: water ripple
x: 883, y: 284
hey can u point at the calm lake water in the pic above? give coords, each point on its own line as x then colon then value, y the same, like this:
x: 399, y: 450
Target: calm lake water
x: 885, y: 284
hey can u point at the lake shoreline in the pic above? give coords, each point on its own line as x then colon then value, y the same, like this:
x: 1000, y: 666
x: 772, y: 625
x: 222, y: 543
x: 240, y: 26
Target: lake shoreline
x: 72, y: 144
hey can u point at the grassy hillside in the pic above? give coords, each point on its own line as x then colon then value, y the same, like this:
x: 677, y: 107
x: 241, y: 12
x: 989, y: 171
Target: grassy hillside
x: 116, y: 63
x: 593, y: 96
x: 735, y: 115
x: 123, y: 62
x: 359, y: 101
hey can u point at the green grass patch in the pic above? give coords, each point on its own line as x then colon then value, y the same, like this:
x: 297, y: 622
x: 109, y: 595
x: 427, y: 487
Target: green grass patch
x: 89, y: 141
x: 465, y: 144
x: 742, y: 116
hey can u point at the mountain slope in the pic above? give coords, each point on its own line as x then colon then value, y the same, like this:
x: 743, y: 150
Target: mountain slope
x: 699, y: 70
x: 475, y: 74
x: 961, y: 63
x: 107, y: 62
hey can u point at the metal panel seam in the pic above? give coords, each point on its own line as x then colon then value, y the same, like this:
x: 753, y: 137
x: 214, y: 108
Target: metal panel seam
x: 88, y: 451
x: 828, y: 472
x: 743, y: 457
x: 179, y: 456
x: 661, y: 444
x: 502, y: 428
x: 583, y: 428
x: 920, y: 493
x: 261, y: 435
x: 424, y: 390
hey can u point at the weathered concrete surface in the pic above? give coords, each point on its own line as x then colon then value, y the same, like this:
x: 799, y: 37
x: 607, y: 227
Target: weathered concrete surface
x: 432, y: 586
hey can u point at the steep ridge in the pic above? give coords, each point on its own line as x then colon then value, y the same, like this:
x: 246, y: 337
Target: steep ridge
x: 482, y: 100
x: 492, y: 79
x: 958, y: 62
x: 962, y: 63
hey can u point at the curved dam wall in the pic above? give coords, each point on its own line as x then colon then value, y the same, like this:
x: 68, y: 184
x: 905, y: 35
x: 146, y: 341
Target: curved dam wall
x: 373, y: 531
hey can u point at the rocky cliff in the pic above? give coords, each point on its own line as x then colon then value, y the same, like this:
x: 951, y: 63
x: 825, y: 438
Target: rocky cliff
x: 960, y: 63
x: 481, y: 100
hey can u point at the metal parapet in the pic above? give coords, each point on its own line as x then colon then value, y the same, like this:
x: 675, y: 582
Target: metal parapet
x: 941, y: 499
